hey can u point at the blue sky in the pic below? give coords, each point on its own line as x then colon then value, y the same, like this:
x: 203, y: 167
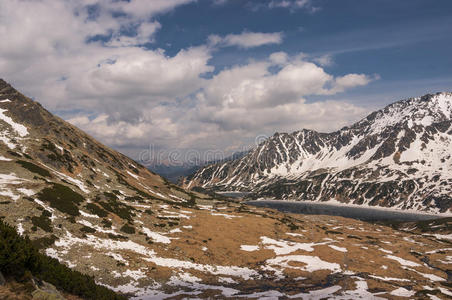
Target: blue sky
x: 186, y: 76
x: 405, y: 42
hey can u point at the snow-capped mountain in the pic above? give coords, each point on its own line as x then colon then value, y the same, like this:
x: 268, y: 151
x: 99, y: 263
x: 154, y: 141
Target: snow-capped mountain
x: 398, y: 157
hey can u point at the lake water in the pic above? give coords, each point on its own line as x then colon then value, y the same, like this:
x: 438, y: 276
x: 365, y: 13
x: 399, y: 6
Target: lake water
x: 361, y: 213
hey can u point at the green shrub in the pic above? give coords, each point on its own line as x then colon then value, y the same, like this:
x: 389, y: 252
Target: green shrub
x: 117, y: 237
x: 44, y: 242
x: 94, y: 209
x: 127, y: 229
x: 43, y: 221
x: 34, y: 168
x: 134, y: 198
x: 112, y: 204
x: 87, y: 229
x: 18, y: 256
x: 14, y: 153
x: 110, y: 196
x: 107, y: 223
x: 62, y: 198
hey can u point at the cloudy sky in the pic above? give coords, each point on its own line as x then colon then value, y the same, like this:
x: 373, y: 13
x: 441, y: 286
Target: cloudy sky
x: 197, y: 75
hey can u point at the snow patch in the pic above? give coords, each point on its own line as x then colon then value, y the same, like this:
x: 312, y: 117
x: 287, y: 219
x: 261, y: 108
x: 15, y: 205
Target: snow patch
x: 249, y: 248
x: 19, y: 128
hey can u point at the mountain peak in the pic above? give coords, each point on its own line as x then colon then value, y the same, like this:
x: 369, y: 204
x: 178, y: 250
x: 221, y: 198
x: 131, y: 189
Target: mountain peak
x: 398, y: 156
x: 6, y: 88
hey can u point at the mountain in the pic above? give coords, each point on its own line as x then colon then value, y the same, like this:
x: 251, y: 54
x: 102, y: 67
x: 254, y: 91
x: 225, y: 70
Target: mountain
x: 177, y: 172
x: 173, y: 173
x: 397, y: 157
x: 104, y: 215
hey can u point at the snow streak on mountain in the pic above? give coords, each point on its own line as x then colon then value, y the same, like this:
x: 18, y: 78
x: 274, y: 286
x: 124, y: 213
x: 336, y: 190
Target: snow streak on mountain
x: 398, y: 157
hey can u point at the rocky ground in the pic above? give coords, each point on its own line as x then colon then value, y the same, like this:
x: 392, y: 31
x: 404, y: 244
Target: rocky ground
x: 12, y: 289
x: 228, y: 250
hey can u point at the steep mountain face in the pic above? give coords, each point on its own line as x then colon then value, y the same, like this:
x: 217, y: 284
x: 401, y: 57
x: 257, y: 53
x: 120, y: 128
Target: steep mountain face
x: 398, y: 157
x: 70, y: 193
x: 104, y: 215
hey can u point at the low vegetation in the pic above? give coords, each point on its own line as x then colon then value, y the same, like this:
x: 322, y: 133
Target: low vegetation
x: 43, y: 221
x: 113, y: 205
x: 34, y: 168
x: 127, y: 229
x: 62, y: 198
x: 20, y: 259
x: 96, y: 210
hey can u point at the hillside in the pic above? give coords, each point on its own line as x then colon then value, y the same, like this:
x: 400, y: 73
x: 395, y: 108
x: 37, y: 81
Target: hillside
x: 104, y: 215
x: 397, y: 157
x: 33, y: 275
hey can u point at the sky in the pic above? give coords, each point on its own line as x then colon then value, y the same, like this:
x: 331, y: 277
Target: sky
x: 183, y: 78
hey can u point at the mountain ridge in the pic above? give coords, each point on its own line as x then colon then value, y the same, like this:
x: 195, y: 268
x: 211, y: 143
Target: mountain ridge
x: 298, y: 165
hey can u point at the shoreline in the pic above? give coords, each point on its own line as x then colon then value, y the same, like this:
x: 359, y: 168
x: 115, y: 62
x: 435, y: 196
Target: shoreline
x: 335, y: 203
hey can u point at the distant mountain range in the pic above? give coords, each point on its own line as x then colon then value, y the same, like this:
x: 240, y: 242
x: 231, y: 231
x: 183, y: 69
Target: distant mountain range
x: 173, y: 173
x: 176, y: 172
x: 397, y: 157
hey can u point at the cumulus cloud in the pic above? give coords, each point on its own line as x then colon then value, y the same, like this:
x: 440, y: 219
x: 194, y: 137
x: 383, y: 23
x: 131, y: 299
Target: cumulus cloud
x: 254, y: 85
x: 351, y: 80
x: 246, y: 39
x: 239, y: 103
x: 129, y: 96
x: 289, y: 4
x: 144, y: 34
x: 142, y: 8
x: 47, y: 53
x: 324, y: 60
x: 135, y: 72
x: 292, y: 5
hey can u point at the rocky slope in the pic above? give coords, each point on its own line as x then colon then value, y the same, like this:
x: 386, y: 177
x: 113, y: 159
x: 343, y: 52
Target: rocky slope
x: 398, y: 157
x: 104, y: 215
x: 14, y: 290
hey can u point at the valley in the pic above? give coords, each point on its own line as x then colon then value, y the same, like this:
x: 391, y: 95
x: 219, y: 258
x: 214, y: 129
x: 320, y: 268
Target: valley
x: 225, y: 149
x: 104, y: 215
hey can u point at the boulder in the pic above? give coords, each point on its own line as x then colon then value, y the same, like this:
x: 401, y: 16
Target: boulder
x: 46, y: 295
x: 45, y: 291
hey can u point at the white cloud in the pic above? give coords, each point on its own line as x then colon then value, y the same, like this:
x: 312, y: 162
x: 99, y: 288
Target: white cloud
x: 144, y: 8
x: 49, y: 44
x: 135, y: 72
x: 350, y: 81
x: 144, y: 34
x: 238, y: 104
x: 254, y: 85
x: 247, y: 39
x: 129, y: 96
x: 286, y: 3
x: 219, y: 2
x: 324, y: 60
x: 270, y: 4
x: 279, y: 58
